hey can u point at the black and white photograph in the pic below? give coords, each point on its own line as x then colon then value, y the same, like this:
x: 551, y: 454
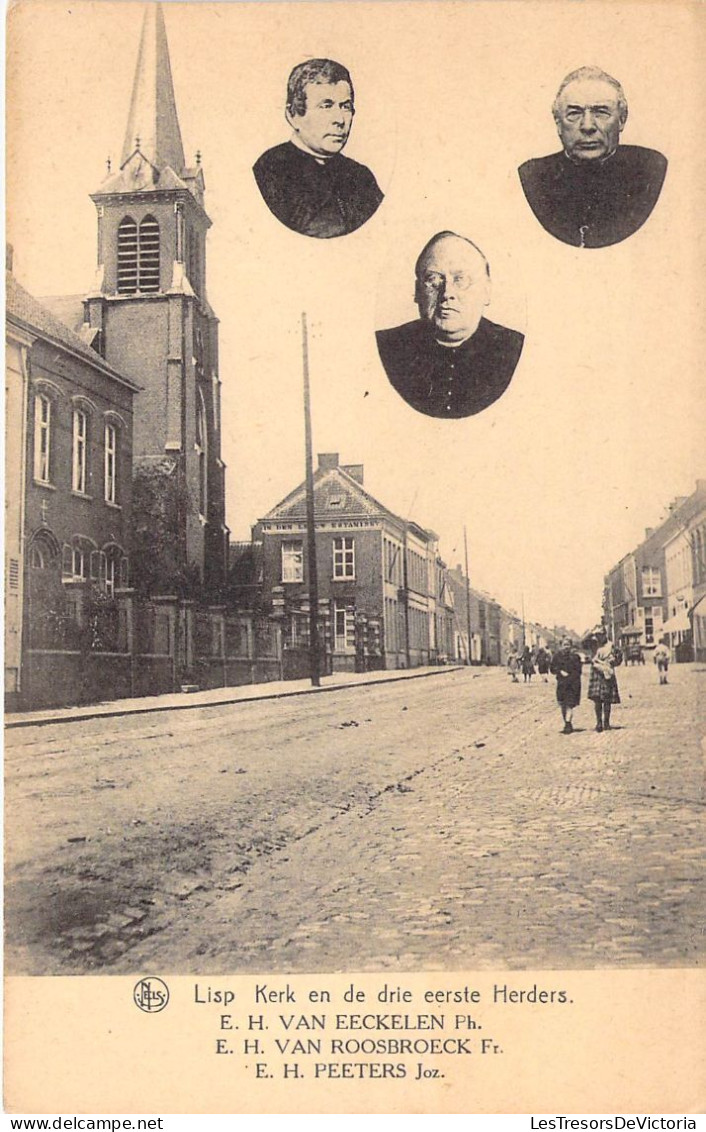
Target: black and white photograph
x: 306, y: 182
x: 452, y: 361
x: 355, y: 556
x: 596, y: 191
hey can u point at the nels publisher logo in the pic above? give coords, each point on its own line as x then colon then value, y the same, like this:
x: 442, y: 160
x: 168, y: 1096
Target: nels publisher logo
x: 151, y: 995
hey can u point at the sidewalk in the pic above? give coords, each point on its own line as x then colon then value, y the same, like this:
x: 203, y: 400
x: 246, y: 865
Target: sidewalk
x: 212, y: 697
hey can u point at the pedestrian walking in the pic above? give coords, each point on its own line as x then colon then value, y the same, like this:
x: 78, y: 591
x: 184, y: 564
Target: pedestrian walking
x: 603, y: 685
x: 566, y: 666
x: 527, y: 664
x: 661, y: 658
x: 513, y: 663
x: 543, y: 662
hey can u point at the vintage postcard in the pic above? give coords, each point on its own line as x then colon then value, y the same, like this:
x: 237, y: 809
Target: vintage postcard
x: 355, y: 544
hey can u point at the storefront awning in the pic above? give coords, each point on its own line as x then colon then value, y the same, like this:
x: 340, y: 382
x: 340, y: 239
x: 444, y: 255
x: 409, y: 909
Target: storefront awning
x: 631, y: 631
x: 678, y: 624
x: 699, y: 607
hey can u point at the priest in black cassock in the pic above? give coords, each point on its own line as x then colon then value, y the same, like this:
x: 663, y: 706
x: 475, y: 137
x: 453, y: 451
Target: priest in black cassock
x: 596, y: 192
x: 307, y: 182
x: 451, y: 362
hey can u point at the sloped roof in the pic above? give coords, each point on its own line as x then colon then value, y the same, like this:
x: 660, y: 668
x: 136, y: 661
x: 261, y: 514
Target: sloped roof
x: 350, y: 500
x: 164, y: 179
x: 67, y: 308
x: 22, y: 307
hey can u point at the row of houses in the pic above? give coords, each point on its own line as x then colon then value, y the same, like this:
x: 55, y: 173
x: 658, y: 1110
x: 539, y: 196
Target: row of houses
x: 386, y: 597
x: 658, y: 590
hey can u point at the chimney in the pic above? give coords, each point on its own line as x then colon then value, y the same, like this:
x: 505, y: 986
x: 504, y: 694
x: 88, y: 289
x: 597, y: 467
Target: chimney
x: 649, y: 531
x: 327, y: 461
x: 9, y: 254
x: 355, y: 471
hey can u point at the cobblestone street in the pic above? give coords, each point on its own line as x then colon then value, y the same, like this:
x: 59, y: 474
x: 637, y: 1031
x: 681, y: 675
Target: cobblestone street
x: 440, y: 823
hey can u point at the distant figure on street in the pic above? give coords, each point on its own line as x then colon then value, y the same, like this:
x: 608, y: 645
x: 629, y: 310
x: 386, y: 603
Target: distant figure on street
x: 602, y: 685
x: 661, y: 658
x: 513, y: 663
x: 543, y: 662
x: 306, y: 182
x: 566, y: 666
x: 527, y: 664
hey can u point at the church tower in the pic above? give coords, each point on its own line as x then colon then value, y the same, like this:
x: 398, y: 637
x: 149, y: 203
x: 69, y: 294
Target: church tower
x: 150, y: 318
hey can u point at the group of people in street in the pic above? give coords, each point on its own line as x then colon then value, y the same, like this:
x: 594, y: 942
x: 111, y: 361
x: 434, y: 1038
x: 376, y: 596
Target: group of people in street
x: 566, y: 664
x: 528, y: 662
x: 602, y: 684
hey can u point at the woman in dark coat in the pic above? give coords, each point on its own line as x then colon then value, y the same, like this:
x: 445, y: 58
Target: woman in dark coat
x: 543, y: 663
x: 603, y: 686
x: 566, y: 666
x: 527, y: 663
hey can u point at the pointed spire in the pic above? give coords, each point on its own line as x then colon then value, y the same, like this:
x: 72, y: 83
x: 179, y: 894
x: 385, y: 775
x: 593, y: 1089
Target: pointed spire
x: 153, y: 114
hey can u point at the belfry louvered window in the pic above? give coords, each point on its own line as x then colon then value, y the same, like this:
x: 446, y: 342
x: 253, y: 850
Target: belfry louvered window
x: 127, y: 256
x: 148, y: 255
x: 138, y: 256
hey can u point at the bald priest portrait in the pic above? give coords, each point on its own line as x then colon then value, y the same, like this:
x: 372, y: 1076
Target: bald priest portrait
x: 306, y: 182
x: 596, y: 192
x: 451, y: 362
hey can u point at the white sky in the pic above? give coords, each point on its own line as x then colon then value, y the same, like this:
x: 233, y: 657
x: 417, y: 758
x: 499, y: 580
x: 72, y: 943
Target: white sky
x: 604, y: 422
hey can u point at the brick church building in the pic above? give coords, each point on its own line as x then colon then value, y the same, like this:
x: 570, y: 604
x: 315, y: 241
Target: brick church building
x: 149, y: 317
x: 116, y: 559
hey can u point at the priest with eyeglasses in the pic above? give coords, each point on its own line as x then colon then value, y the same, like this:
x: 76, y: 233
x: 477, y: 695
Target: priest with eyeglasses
x: 451, y: 362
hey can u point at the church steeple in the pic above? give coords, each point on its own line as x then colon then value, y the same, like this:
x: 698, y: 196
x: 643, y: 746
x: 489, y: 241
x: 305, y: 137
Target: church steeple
x: 153, y: 124
x: 149, y: 304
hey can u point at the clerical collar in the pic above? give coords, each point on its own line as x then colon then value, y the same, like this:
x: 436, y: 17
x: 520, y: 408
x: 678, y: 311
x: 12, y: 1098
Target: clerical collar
x: 319, y: 158
x: 451, y: 345
x: 590, y: 164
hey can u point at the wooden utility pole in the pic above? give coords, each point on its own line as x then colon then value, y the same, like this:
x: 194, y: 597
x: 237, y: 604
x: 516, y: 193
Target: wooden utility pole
x: 468, y: 595
x: 314, y: 652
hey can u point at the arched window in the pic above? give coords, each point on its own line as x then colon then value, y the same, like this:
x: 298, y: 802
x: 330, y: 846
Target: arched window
x: 110, y: 461
x: 127, y: 256
x: 80, y: 560
x: 138, y: 256
x: 201, y: 446
x: 148, y: 276
x: 43, y: 551
x: 116, y: 568
x: 80, y: 450
x: 42, y: 438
